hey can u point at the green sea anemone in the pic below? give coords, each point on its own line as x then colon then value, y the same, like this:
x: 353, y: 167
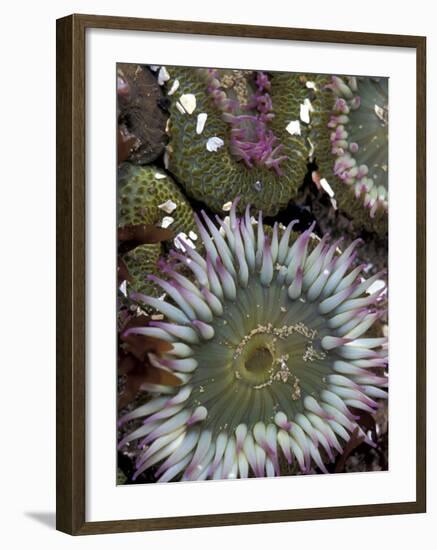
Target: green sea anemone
x: 350, y: 135
x: 236, y: 132
x: 270, y: 340
x: 148, y: 195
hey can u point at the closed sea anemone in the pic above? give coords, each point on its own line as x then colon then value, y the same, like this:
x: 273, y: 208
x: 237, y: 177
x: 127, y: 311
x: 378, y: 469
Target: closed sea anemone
x: 271, y: 342
x: 229, y: 134
x: 148, y: 195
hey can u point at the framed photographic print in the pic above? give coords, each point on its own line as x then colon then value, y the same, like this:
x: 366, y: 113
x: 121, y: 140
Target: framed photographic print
x: 241, y: 274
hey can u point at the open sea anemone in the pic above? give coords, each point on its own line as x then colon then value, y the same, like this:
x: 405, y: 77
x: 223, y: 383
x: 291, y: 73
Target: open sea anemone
x: 230, y: 134
x: 272, y: 346
x: 350, y: 133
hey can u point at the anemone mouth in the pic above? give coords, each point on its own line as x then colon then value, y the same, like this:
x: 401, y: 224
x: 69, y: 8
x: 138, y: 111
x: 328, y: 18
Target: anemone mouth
x: 256, y: 363
x: 265, y: 355
x: 247, y: 108
x: 268, y: 345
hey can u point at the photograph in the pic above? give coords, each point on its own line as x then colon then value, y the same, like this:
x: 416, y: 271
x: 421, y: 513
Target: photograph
x: 252, y: 273
x: 217, y: 215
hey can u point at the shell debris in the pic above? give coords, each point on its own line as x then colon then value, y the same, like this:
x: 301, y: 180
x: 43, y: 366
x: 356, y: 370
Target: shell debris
x: 186, y: 104
x: 182, y: 241
x: 168, y: 206
x: 174, y: 87
x: 305, y: 109
x: 163, y: 76
x: 166, y: 221
x: 293, y: 128
x: 326, y: 187
x: 201, y: 120
x: 214, y: 143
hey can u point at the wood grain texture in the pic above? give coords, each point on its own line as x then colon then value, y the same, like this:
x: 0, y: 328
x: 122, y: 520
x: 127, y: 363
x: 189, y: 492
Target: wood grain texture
x: 247, y: 31
x: 71, y: 273
x: 421, y: 274
x: 70, y: 283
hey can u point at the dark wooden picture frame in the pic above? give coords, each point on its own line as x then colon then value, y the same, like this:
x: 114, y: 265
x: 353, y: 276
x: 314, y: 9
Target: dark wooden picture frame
x: 71, y: 284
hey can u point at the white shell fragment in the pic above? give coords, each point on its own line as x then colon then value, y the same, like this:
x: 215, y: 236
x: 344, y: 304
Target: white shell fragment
x: 305, y: 109
x: 168, y: 206
x: 308, y: 103
x: 188, y: 102
x: 293, y: 128
x: 123, y: 288
x: 311, y: 85
x: 174, y: 87
x: 201, y: 119
x: 182, y: 241
x: 160, y: 176
x: 154, y: 68
x: 166, y: 221
x: 192, y: 235
x: 180, y: 108
x: 304, y: 113
x: 214, y: 143
x: 312, y: 148
x: 326, y: 187
x: 163, y: 76
x: 227, y: 206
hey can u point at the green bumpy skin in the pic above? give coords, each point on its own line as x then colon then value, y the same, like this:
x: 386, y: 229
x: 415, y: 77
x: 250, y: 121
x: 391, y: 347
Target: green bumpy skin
x: 140, y: 262
x: 363, y: 137
x: 217, y: 177
x: 141, y: 190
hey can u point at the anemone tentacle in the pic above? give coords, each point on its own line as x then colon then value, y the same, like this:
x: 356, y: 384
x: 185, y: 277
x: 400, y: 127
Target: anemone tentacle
x: 272, y: 345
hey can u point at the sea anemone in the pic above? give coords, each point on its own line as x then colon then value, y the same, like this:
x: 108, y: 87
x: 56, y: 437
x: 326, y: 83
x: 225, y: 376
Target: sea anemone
x: 148, y: 195
x: 272, y: 347
x: 350, y: 134
x: 233, y: 126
